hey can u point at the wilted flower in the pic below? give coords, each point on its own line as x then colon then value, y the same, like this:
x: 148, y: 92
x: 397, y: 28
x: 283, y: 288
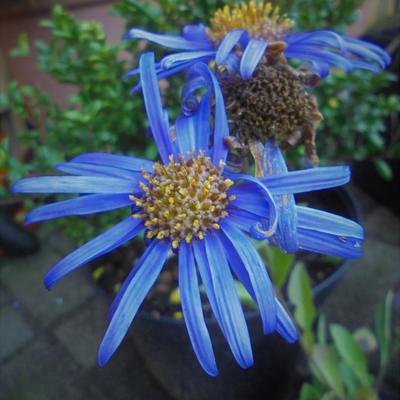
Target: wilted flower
x: 265, y: 97
x: 189, y: 204
x: 240, y: 36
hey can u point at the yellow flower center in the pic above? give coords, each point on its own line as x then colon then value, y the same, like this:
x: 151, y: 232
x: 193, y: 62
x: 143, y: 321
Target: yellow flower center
x: 184, y: 199
x: 261, y: 20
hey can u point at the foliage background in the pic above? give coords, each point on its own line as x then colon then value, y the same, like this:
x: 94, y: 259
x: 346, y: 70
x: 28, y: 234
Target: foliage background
x: 103, y: 116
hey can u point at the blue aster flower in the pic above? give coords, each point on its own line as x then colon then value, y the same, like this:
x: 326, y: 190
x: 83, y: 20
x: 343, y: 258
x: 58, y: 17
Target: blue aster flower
x: 240, y: 36
x: 189, y: 204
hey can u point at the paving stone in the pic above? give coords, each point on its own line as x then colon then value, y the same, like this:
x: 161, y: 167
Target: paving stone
x: 82, y: 333
x: 23, y: 277
x: 14, y: 331
x: 44, y: 371
x: 354, y: 299
x: 124, y: 377
x: 382, y: 224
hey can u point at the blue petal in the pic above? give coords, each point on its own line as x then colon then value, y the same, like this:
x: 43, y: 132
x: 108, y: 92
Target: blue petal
x: 307, y: 180
x: 325, y: 243
x: 83, y: 169
x: 90, y: 204
x: 311, y: 218
x: 220, y: 288
x: 242, y: 219
x: 171, y: 41
x: 115, y: 160
x: 196, y: 33
x: 152, y: 101
x: 355, y: 46
x: 174, y: 60
x: 284, y: 325
x: 230, y: 40
x: 310, y: 53
x: 328, y: 233
x: 203, y: 113
x: 186, y: 134
x: 192, y: 310
x: 286, y: 232
x: 270, y: 203
x: 161, y: 74
x: 102, y: 244
x: 221, y: 129
x: 252, y: 55
x: 241, y: 246
x: 75, y: 185
x: 147, y: 271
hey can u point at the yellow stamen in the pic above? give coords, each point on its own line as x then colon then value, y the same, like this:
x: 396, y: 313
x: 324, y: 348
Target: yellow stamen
x: 261, y: 20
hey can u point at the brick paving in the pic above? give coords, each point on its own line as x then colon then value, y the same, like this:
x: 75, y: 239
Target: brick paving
x: 49, y: 340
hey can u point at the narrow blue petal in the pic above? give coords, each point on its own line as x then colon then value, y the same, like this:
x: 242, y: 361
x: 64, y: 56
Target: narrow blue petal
x: 318, y: 38
x: 83, y: 169
x: 242, y: 219
x: 221, y: 129
x: 115, y: 160
x: 230, y: 40
x: 90, y: 204
x: 75, y: 185
x: 326, y: 243
x: 350, y: 42
x: 286, y: 232
x: 102, y: 244
x: 268, y: 199
x: 232, y: 63
x: 284, y: 325
x: 220, y: 288
x: 203, y: 113
x: 171, y: 41
x: 174, y: 60
x: 152, y: 101
x: 307, y: 180
x: 148, y: 269
x: 161, y: 74
x: 252, y: 55
x: 261, y: 283
x: 196, y: 33
x: 252, y: 202
x: 321, y: 68
x: 310, y: 53
x: 322, y: 221
x: 186, y: 134
x: 193, y: 311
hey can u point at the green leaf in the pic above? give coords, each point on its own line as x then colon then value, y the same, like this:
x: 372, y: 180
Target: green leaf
x: 383, y: 327
x: 23, y: 48
x: 326, y: 361
x: 300, y: 294
x: 278, y: 262
x: 309, y: 392
x: 384, y: 169
x: 349, y: 379
x: 350, y: 352
x: 321, y: 330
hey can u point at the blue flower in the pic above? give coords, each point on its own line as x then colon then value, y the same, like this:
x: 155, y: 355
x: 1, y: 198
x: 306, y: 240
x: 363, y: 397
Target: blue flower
x: 186, y: 203
x: 239, y: 38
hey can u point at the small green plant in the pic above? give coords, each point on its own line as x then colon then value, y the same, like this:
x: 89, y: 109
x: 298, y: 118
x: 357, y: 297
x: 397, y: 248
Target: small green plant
x: 336, y: 357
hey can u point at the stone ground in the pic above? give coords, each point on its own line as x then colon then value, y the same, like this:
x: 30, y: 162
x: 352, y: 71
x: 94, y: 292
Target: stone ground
x: 49, y: 340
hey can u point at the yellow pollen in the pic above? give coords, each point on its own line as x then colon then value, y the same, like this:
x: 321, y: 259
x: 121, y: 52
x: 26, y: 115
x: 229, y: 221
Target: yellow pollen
x: 261, y: 20
x: 183, y: 200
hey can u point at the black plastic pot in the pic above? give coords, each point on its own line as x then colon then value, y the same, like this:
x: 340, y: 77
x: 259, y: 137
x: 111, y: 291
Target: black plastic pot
x: 166, y: 350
